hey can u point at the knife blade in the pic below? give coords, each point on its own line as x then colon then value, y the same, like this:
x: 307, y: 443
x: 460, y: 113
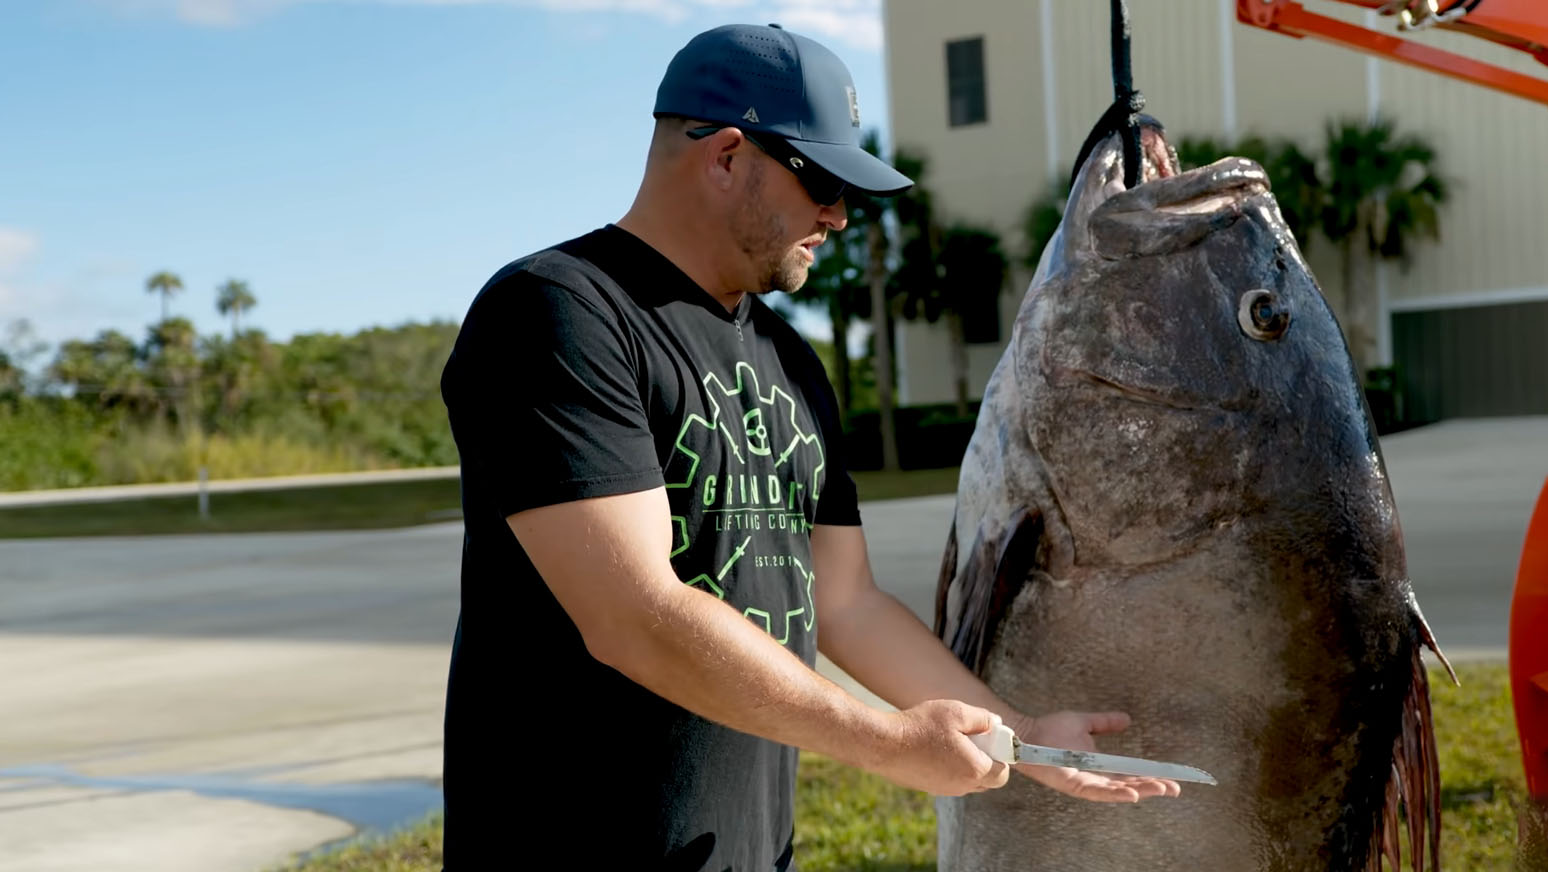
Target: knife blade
x: 1001, y: 743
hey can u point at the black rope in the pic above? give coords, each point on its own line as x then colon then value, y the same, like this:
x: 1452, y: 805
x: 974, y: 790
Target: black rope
x: 1124, y: 93
x: 1123, y: 115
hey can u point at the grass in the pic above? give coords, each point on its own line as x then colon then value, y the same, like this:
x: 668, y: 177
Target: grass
x: 413, y: 849
x: 1482, y: 783
x: 342, y: 507
x: 356, y: 506
x: 850, y: 821
x: 877, y: 485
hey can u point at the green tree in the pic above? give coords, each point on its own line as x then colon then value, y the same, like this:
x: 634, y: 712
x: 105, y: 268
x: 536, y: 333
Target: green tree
x: 852, y: 280
x: 839, y: 283
x: 233, y: 298
x: 166, y: 284
x: 172, y: 362
x: 973, y: 267
x: 12, y: 382
x: 922, y: 281
x: 881, y: 367
x: 19, y: 348
x: 1384, y: 193
x: 236, y: 372
x: 105, y: 372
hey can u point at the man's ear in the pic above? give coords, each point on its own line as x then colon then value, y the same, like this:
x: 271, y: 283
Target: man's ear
x: 725, y: 149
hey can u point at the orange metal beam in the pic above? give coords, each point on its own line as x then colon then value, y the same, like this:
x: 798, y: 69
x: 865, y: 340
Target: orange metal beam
x: 1529, y: 651
x: 1292, y: 19
x: 1519, y: 24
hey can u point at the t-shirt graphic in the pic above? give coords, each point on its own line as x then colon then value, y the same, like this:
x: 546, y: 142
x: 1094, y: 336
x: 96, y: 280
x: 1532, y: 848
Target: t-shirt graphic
x: 744, y: 480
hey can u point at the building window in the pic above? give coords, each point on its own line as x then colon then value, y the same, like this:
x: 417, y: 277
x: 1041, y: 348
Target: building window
x: 965, y: 82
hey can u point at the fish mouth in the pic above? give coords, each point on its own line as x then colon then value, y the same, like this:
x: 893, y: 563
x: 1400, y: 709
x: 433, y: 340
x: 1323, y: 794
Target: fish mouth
x: 1222, y: 186
x: 1170, y: 210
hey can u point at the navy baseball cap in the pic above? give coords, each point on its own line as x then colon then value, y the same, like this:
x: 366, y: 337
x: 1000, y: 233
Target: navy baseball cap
x: 772, y: 83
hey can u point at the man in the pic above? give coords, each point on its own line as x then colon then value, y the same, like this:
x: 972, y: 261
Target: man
x: 661, y: 531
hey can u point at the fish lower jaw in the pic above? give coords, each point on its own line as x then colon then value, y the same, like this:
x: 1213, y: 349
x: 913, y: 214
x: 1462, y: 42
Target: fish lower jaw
x: 1209, y: 204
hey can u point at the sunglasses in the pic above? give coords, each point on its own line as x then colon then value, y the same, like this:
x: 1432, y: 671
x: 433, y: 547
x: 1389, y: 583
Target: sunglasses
x: 824, y: 187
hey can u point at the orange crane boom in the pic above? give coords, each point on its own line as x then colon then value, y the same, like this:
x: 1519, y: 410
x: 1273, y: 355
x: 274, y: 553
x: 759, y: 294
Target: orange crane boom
x: 1517, y: 24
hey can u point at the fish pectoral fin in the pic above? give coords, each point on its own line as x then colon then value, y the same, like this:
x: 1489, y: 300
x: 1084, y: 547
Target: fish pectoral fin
x: 943, y: 582
x: 997, y: 566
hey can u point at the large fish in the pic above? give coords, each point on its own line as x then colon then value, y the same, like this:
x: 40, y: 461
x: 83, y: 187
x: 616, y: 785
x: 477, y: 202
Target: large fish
x: 1174, y: 504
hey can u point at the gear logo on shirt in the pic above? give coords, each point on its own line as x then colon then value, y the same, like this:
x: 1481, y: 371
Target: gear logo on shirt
x: 770, y: 469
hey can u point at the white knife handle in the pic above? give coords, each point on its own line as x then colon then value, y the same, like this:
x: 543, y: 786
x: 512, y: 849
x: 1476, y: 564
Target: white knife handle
x: 999, y: 743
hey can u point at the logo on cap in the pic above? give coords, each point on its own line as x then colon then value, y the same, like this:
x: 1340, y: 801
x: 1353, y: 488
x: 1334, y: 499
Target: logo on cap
x: 854, y: 105
x: 750, y: 115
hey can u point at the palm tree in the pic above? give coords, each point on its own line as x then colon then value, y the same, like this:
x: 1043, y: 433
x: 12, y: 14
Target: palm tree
x: 837, y: 284
x: 881, y: 339
x: 172, y: 361
x: 973, y: 268
x: 233, y: 298
x: 870, y: 215
x: 1383, y: 192
x: 837, y: 287
x: 166, y: 284
x: 937, y: 277
x: 848, y: 283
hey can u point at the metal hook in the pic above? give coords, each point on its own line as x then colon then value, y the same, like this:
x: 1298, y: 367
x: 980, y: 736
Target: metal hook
x: 1452, y: 14
x: 1430, y: 16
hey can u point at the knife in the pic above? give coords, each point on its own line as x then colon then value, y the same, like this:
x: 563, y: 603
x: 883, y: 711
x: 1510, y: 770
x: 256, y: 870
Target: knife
x: 1002, y: 744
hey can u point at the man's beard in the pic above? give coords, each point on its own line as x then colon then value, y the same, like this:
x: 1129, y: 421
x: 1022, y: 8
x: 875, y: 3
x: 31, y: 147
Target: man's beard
x: 760, y: 234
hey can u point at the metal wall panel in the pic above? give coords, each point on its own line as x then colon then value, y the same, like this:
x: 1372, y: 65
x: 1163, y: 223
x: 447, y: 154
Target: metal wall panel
x: 1474, y: 361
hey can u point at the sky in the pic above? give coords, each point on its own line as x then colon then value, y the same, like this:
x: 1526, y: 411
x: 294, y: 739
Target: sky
x: 356, y: 162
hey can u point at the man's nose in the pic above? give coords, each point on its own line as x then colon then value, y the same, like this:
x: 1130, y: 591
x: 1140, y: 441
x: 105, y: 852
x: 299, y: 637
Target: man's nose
x: 836, y: 215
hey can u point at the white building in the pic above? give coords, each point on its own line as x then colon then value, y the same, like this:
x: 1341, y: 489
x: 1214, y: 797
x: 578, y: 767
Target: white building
x: 1000, y: 94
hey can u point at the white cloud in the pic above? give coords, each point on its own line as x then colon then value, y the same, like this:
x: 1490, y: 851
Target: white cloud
x: 55, y: 308
x: 856, y: 23
x: 15, y: 247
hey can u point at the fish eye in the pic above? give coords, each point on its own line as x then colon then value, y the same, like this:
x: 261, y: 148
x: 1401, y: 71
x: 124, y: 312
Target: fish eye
x: 1262, y: 316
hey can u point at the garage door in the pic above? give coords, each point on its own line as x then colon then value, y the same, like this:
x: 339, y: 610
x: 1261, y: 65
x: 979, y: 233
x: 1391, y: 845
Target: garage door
x: 1475, y: 361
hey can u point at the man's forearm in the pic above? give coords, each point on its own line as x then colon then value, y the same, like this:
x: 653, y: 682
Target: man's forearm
x: 883, y: 645
x: 701, y: 654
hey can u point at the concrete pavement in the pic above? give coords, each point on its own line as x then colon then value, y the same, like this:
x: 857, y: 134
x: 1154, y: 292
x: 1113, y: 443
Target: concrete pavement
x: 217, y: 703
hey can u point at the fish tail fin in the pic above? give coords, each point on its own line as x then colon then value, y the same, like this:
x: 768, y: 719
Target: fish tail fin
x: 1413, y: 790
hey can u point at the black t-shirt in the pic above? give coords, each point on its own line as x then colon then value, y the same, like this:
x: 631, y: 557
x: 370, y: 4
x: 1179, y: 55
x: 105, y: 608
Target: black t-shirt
x: 597, y: 367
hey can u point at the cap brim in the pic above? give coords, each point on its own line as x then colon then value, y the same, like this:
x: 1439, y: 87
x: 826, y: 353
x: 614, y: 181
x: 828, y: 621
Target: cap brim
x: 855, y: 165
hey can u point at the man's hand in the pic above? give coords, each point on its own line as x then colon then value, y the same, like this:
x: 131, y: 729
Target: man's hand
x: 1073, y: 730
x: 932, y: 751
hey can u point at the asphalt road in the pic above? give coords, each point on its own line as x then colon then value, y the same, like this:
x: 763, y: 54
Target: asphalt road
x: 216, y: 703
